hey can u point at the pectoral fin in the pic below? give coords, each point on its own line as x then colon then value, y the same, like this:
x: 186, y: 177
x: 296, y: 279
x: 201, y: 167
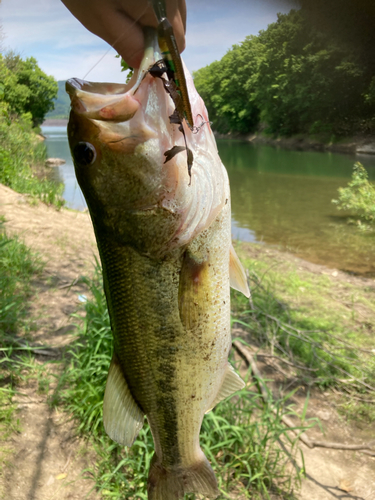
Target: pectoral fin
x: 122, y: 417
x: 231, y: 383
x: 237, y: 275
x: 193, y: 293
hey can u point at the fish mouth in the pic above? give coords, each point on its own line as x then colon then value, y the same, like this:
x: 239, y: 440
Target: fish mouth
x: 102, y: 101
x: 115, y: 102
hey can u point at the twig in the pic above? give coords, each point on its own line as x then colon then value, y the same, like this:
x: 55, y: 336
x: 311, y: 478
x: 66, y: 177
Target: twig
x: 371, y: 401
x: 299, y: 367
x: 68, y: 285
x: 301, y: 337
x: 43, y: 351
x: 67, y: 462
x: 341, y: 446
x: 259, y: 382
x: 371, y: 453
x: 246, y: 354
x: 369, y: 351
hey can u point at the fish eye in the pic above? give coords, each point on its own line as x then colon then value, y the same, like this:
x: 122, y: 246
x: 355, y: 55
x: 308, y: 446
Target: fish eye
x: 84, y: 154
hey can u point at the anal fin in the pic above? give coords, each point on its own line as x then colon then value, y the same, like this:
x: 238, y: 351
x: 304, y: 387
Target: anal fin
x: 231, y: 383
x: 122, y: 417
x: 237, y: 276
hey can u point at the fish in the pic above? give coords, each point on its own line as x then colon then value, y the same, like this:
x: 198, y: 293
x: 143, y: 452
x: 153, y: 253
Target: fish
x: 164, y: 241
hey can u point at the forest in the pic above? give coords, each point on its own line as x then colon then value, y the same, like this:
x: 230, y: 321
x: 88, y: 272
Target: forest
x: 310, y: 72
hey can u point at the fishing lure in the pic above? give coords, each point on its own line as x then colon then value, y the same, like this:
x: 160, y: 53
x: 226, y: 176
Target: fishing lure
x: 172, y: 59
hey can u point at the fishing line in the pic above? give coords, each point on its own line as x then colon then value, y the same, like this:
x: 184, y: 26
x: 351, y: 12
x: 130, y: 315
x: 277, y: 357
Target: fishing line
x: 94, y: 66
x: 114, y: 43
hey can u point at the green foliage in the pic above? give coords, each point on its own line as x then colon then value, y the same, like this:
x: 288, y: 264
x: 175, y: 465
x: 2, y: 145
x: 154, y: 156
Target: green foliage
x: 125, y: 67
x: 20, y: 150
x: 26, y: 88
x: 226, y: 86
x: 306, y: 76
x: 358, y: 198
x: 301, y: 323
x: 240, y: 436
x: 18, y: 266
x: 297, y: 76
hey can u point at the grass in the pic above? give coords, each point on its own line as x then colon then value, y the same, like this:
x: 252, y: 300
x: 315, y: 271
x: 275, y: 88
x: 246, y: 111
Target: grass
x: 20, y: 153
x: 241, y: 437
x: 312, y: 321
x: 18, y: 267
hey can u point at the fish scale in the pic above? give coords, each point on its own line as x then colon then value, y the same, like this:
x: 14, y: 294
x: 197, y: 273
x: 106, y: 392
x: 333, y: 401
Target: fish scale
x: 165, y: 245
x: 128, y: 272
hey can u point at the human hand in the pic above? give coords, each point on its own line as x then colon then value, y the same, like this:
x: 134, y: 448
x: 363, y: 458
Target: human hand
x: 120, y: 22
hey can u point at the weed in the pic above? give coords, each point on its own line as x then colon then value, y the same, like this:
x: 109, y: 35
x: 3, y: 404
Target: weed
x: 18, y: 265
x: 240, y: 437
x: 19, y: 152
x: 295, y: 315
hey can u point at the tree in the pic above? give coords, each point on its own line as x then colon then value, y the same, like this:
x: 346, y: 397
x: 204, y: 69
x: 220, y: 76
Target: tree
x: 308, y: 81
x: 227, y: 88
x: 308, y: 72
x: 26, y: 88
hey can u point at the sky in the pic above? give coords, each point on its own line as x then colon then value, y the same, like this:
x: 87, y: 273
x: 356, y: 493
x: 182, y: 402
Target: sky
x: 46, y: 30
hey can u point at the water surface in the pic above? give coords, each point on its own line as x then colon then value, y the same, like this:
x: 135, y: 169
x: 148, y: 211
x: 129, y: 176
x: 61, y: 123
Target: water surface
x: 58, y: 147
x: 279, y: 197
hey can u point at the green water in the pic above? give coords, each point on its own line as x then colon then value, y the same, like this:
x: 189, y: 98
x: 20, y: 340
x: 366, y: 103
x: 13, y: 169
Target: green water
x: 279, y: 197
x: 284, y: 198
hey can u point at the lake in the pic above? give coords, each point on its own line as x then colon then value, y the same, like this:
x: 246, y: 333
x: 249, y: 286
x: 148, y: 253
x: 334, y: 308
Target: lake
x: 279, y: 197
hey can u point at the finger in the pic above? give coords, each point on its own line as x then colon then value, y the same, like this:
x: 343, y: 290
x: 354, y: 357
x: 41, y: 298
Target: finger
x: 141, y: 14
x: 119, y: 22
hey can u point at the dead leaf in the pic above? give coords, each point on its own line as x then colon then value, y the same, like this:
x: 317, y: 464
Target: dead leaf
x: 345, y: 485
x: 61, y: 476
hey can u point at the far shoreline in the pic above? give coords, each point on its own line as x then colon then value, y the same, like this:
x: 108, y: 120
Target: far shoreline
x: 55, y: 122
x: 359, y: 144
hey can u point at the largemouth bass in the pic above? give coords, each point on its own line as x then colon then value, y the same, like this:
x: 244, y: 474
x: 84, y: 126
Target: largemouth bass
x: 165, y: 245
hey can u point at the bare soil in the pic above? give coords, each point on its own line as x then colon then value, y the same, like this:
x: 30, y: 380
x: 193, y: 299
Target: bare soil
x: 48, y: 460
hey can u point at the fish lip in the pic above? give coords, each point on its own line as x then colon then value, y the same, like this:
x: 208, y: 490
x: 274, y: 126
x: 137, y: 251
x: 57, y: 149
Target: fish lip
x: 113, y: 102
x: 74, y: 84
x: 90, y: 98
x: 77, y: 84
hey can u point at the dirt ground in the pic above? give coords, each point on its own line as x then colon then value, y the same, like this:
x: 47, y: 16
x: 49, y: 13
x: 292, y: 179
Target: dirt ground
x: 48, y: 460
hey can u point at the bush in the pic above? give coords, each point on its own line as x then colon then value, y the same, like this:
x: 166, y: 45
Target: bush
x: 25, y: 88
x: 19, y: 151
x: 358, y: 198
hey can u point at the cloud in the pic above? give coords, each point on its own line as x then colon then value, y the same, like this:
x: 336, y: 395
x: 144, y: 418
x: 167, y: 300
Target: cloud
x: 63, y: 48
x: 86, y: 64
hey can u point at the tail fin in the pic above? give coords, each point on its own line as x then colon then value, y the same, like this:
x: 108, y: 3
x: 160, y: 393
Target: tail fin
x: 172, y: 484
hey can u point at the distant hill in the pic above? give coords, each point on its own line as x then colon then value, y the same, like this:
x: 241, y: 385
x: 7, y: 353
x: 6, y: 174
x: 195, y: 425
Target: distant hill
x: 62, y: 103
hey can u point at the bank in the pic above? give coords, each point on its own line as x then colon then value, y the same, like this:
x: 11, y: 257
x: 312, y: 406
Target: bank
x: 359, y: 144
